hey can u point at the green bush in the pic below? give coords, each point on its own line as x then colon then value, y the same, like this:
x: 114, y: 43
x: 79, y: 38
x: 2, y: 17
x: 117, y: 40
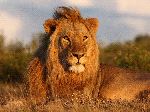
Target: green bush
x: 13, y: 64
x: 15, y: 57
x: 132, y: 54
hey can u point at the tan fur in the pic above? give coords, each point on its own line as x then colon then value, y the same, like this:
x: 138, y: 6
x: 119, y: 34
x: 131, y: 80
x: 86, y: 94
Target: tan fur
x: 69, y: 63
x: 123, y: 84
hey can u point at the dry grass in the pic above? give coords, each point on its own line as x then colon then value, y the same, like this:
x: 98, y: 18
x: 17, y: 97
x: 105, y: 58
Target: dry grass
x: 12, y: 99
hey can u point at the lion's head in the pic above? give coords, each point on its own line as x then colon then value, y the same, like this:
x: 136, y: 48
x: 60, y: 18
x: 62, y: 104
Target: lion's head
x: 73, y: 40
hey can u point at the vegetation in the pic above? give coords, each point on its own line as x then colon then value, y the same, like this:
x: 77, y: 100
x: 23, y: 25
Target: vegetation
x: 15, y: 57
x: 134, y: 54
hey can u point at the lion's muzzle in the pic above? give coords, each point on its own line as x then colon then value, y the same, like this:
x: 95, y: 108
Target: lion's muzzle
x: 77, y: 68
x: 77, y: 62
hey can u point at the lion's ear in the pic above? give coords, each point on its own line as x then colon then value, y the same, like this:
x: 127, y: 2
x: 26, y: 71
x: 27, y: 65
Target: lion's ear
x: 92, y: 24
x: 50, y: 26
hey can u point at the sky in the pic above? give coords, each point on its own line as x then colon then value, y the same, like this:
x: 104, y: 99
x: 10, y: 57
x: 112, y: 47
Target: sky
x: 120, y: 20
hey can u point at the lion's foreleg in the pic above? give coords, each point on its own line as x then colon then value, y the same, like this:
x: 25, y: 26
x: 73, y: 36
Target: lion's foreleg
x: 37, y: 87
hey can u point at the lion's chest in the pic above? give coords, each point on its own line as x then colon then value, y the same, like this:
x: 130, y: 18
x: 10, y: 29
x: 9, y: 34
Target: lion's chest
x: 68, y: 84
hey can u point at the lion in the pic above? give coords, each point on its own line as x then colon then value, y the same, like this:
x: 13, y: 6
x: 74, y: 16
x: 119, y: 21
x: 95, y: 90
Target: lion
x: 67, y: 62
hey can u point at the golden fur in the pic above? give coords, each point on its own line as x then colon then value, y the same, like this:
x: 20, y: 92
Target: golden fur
x: 117, y: 83
x: 67, y: 62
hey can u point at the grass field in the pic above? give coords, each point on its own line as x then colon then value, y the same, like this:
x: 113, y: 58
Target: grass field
x: 12, y: 99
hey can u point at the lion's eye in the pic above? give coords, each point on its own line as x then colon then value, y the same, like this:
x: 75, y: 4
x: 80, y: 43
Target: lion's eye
x: 85, y: 38
x: 66, y: 39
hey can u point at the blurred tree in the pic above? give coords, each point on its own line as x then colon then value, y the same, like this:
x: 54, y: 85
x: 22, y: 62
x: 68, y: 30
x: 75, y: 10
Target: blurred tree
x: 1, y: 43
x: 35, y: 42
x: 13, y: 63
x: 143, y: 41
x: 16, y: 47
x: 142, y: 38
x: 132, y: 54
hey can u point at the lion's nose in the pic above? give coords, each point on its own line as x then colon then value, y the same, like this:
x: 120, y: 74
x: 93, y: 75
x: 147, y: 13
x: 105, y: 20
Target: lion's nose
x: 78, y: 55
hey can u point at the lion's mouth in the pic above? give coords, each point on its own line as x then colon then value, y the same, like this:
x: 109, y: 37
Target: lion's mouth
x: 77, y: 68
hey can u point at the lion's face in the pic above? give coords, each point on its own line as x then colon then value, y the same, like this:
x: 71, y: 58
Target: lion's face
x: 74, y: 42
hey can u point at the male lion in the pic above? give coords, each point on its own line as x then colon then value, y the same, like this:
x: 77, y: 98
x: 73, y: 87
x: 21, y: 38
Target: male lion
x: 67, y: 62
